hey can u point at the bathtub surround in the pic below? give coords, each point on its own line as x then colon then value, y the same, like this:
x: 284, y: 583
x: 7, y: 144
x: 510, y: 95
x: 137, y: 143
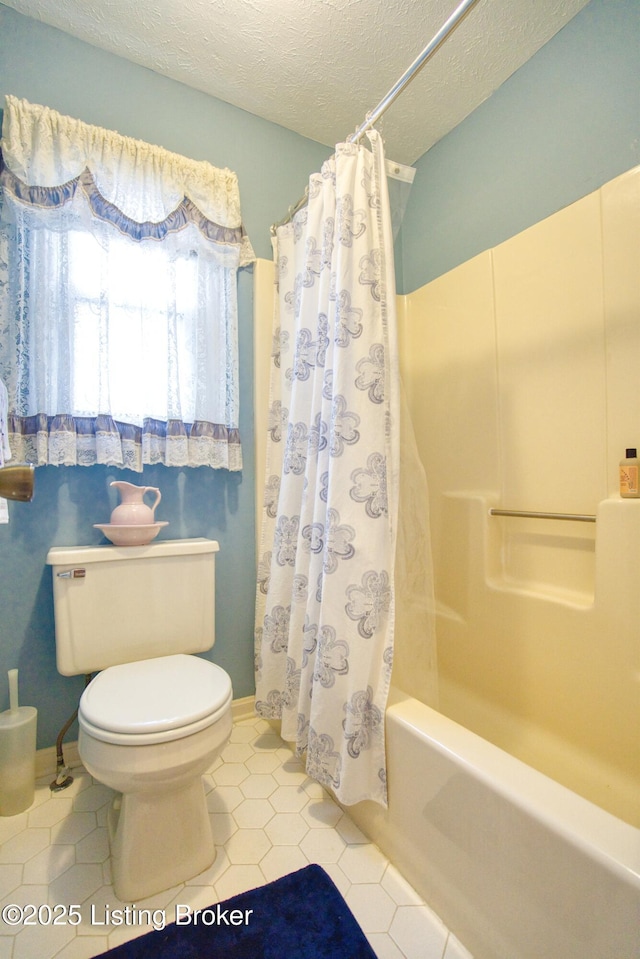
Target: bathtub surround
x: 526, y: 357
x: 524, y: 353
x: 300, y: 916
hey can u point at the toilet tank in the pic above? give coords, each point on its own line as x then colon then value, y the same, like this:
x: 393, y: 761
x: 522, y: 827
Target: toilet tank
x: 117, y: 604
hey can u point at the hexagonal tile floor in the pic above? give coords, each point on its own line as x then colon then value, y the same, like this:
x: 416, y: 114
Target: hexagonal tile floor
x: 269, y: 818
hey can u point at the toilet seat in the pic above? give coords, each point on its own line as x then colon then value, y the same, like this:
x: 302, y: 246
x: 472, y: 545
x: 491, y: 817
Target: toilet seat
x: 155, y: 700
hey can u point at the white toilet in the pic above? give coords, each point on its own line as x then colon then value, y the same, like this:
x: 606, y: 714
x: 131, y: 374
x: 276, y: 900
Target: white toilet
x: 155, y: 717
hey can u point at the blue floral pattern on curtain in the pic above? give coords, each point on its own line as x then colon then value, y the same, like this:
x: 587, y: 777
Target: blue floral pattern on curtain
x: 325, y: 600
x: 97, y: 373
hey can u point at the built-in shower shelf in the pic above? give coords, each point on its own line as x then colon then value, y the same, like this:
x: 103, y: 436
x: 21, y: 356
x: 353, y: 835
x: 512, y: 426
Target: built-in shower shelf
x: 533, y: 554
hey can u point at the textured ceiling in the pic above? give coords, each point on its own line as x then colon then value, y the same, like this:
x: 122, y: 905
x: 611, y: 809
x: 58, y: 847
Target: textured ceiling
x: 318, y: 66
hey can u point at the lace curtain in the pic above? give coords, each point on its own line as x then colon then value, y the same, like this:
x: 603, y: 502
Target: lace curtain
x: 118, y: 297
x: 325, y: 608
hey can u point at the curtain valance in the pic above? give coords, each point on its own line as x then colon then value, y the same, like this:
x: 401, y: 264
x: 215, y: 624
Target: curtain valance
x: 131, y: 180
x: 118, y: 297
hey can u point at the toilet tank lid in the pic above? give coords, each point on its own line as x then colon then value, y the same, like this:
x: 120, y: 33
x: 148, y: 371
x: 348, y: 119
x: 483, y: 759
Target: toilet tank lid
x: 78, y: 555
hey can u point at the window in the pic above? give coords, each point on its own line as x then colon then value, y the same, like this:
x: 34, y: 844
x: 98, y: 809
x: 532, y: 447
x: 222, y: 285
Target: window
x: 118, y: 309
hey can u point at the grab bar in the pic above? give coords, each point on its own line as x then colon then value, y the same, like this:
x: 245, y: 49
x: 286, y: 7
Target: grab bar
x: 576, y: 517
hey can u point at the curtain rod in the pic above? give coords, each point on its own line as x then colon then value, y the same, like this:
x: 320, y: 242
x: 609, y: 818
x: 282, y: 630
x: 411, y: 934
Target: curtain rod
x: 413, y: 70
x: 394, y: 92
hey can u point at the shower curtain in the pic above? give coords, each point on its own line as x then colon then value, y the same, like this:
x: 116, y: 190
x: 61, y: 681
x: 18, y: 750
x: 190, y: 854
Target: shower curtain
x: 325, y: 605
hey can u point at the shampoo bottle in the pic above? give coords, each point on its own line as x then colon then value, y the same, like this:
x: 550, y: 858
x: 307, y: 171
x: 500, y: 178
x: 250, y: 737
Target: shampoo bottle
x: 629, y: 488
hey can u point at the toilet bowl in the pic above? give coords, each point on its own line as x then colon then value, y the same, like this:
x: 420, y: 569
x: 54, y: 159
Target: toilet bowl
x: 149, y: 730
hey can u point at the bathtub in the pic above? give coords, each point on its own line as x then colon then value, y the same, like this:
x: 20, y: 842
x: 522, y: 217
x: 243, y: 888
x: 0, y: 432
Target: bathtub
x: 516, y: 865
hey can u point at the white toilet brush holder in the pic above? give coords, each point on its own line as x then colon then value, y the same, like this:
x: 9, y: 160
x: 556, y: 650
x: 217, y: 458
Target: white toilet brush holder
x: 18, y: 726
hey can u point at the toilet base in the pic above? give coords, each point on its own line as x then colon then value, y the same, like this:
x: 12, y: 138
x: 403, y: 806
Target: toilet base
x: 153, y: 849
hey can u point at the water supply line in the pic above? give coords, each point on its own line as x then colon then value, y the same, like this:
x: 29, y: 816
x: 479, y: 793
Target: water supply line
x: 410, y: 73
x: 63, y: 778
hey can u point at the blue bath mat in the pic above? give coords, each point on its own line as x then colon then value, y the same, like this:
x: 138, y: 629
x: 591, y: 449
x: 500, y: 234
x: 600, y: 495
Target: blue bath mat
x: 301, y: 916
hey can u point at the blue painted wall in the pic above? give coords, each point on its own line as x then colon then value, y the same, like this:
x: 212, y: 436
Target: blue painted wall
x: 565, y: 123
x: 46, y: 66
x: 561, y: 126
